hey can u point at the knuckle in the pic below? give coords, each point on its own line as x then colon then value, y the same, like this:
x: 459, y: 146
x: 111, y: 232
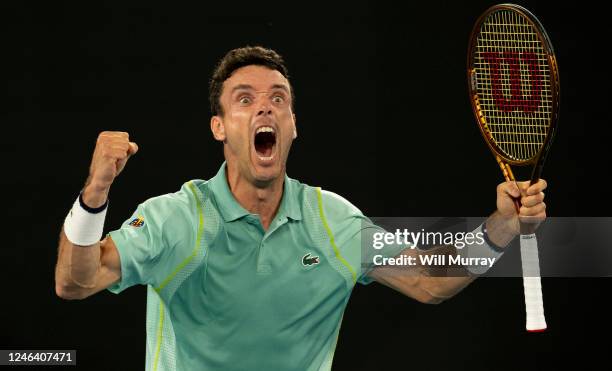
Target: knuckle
x: 113, y: 135
x: 106, y: 153
x: 116, y: 153
x: 121, y: 147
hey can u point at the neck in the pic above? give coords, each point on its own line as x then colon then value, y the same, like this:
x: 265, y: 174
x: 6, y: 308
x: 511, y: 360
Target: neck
x: 261, y: 199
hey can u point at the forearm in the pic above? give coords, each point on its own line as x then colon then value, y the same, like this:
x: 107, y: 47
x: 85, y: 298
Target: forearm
x: 500, y: 232
x: 444, y: 285
x: 76, y: 265
x: 427, y: 283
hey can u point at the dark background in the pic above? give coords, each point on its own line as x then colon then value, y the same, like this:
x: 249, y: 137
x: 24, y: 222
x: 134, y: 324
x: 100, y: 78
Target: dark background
x: 383, y: 120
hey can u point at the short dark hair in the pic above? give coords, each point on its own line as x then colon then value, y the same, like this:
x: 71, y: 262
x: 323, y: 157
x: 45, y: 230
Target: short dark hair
x: 237, y: 58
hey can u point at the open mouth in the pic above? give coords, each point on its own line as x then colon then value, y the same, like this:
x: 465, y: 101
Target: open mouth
x: 265, y: 140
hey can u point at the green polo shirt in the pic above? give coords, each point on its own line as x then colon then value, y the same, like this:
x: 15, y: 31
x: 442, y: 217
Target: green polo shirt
x: 224, y: 294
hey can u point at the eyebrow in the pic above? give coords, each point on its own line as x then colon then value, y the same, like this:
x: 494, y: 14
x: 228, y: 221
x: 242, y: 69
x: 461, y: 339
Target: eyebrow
x: 249, y: 87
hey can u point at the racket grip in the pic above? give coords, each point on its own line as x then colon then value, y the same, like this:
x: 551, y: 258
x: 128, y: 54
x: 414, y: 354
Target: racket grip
x: 534, y: 303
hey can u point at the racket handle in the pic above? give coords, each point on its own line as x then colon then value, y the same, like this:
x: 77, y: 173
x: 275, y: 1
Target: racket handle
x: 534, y: 304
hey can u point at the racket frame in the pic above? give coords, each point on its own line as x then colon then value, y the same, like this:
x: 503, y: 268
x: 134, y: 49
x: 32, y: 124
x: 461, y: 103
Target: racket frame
x: 503, y: 160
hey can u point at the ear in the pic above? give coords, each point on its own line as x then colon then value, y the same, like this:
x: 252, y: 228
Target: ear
x: 294, y: 128
x: 218, y: 128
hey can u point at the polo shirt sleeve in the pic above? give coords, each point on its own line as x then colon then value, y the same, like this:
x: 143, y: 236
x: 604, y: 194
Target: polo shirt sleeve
x: 365, y: 239
x: 354, y: 235
x: 150, y: 241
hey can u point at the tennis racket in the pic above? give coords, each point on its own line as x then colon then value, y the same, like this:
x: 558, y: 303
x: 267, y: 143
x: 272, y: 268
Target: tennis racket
x: 513, y: 84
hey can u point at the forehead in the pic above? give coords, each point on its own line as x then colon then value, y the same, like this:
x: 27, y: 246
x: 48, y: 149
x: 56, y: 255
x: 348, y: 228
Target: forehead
x: 259, y: 77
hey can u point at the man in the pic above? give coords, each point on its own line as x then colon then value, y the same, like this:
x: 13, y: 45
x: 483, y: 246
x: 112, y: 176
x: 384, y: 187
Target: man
x: 250, y: 270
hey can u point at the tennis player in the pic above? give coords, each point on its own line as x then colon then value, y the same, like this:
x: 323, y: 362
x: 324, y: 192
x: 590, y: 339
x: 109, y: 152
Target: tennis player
x: 250, y: 270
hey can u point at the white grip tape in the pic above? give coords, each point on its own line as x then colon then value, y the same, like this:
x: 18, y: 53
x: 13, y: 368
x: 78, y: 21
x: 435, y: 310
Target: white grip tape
x: 82, y: 227
x: 534, y: 304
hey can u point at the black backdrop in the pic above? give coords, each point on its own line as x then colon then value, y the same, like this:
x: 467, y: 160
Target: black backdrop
x: 383, y: 119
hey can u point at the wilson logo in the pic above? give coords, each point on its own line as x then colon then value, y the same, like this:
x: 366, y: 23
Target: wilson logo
x: 513, y: 81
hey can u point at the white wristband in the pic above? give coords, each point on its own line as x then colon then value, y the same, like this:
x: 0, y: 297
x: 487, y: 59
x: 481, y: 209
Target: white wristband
x: 484, y: 250
x: 82, y: 227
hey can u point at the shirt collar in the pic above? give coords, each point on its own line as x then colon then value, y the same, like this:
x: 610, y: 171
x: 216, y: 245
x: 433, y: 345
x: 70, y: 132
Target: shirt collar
x: 231, y: 210
x: 289, y: 206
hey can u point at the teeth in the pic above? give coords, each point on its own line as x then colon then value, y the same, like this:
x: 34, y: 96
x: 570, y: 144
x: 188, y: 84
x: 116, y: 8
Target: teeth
x: 265, y: 129
x: 265, y: 158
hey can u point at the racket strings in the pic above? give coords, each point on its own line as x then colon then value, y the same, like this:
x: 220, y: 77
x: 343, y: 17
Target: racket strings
x: 512, y: 81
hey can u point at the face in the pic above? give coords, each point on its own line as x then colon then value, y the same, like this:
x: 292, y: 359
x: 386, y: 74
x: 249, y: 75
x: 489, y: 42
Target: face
x: 258, y: 124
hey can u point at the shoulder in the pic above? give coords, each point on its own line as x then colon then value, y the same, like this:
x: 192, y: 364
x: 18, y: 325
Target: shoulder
x: 334, y: 206
x: 338, y: 205
x: 186, y: 195
x: 182, y: 202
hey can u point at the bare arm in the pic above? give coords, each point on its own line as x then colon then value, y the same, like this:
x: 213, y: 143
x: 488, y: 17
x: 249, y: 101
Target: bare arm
x: 503, y: 225
x: 82, y: 271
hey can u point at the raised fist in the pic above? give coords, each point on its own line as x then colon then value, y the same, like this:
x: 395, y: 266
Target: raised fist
x: 113, y: 149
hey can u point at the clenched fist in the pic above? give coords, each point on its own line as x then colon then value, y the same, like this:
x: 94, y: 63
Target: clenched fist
x: 532, y: 209
x: 113, y: 149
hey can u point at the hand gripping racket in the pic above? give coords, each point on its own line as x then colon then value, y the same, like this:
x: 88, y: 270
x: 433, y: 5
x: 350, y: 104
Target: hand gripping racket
x: 514, y: 91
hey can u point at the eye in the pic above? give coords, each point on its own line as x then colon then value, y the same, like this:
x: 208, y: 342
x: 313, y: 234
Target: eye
x: 244, y: 100
x: 278, y: 99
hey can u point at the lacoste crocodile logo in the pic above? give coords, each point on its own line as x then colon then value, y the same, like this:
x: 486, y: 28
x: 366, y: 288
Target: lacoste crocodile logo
x: 307, y: 260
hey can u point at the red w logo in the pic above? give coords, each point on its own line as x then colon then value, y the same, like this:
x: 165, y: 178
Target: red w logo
x: 517, y: 100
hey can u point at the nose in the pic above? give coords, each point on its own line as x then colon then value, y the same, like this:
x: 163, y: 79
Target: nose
x: 264, y: 108
x: 264, y: 111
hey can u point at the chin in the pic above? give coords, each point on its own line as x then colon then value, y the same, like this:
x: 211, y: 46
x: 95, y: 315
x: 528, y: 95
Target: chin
x: 266, y: 175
